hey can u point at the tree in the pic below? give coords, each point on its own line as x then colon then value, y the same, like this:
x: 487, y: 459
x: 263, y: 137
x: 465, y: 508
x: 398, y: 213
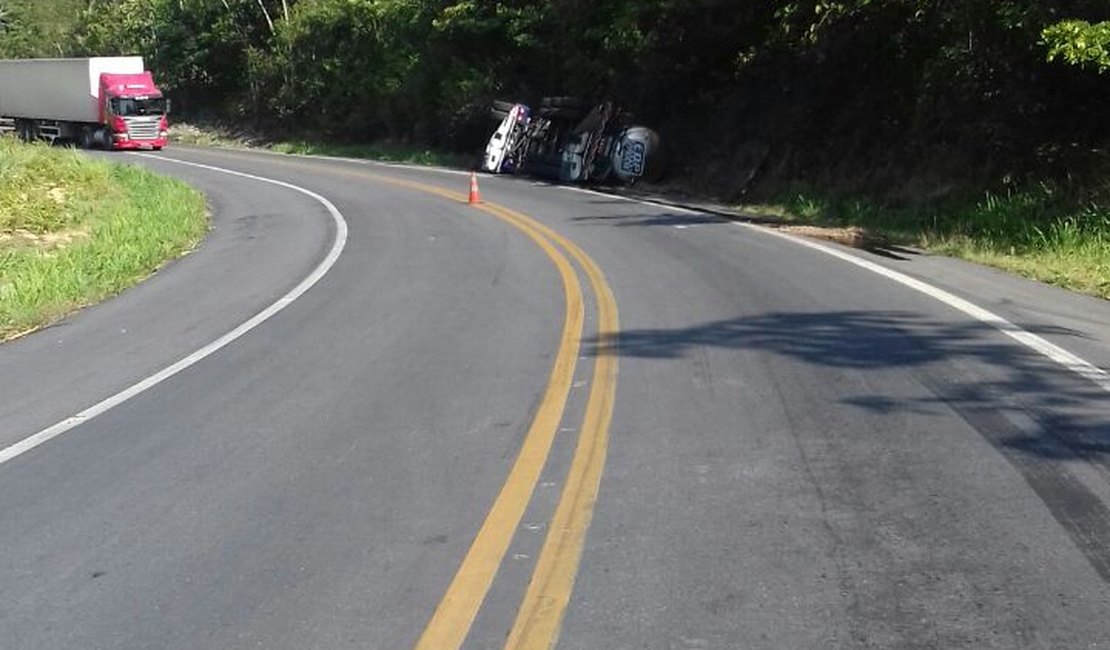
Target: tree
x: 200, y: 49
x: 18, y: 39
x: 350, y: 67
x: 1079, y: 43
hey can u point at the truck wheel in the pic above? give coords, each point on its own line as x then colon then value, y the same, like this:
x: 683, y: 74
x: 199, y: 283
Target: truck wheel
x: 101, y: 138
x: 24, y: 130
x: 85, y: 138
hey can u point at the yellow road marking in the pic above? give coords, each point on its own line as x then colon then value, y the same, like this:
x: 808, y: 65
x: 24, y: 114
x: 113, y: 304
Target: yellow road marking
x: 541, y: 612
x: 455, y: 614
x: 540, y: 616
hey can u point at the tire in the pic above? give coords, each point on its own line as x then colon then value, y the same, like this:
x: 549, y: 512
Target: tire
x: 85, y: 138
x: 24, y: 130
x: 101, y: 138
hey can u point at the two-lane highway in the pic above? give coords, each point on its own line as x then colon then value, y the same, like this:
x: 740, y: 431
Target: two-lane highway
x: 431, y: 445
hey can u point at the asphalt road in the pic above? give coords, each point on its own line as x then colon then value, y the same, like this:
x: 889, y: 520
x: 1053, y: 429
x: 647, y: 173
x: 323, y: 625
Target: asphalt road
x: 797, y: 451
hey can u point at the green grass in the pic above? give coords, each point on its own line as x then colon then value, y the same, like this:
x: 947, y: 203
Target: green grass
x: 383, y: 151
x: 1037, y: 232
x: 74, y: 230
x: 53, y: 21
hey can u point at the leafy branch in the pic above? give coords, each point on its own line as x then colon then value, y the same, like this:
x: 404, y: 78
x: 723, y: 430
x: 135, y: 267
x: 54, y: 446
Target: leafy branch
x: 1079, y: 43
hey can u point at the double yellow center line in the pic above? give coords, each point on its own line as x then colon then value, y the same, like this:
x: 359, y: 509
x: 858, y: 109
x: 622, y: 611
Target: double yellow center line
x: 538, y: 620
x: 541, y: 612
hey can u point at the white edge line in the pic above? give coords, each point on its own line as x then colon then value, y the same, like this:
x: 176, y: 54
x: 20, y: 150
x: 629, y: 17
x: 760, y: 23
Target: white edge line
x: 101, y: 407
x: 1070, y: 361
x: 1037, y: 343
x: 1053, y: 352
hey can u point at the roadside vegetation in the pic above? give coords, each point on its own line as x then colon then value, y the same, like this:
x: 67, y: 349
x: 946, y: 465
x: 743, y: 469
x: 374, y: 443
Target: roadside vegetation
x: 975, y: 128
x: 74, y: 230
x: 1040, y: 233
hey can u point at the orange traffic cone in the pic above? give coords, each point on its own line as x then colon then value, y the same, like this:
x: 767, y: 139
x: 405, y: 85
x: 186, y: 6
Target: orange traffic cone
x: 475, y: 195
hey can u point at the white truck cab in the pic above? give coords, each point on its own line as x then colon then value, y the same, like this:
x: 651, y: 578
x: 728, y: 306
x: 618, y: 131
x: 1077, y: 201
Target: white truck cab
x: 504, y: 138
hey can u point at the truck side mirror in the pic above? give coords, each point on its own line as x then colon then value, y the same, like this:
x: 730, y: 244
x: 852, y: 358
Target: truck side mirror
x: 168, y: 105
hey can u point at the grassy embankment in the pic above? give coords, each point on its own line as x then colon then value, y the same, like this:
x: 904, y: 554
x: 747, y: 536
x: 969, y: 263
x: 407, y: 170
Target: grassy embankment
x: 74, y: 230
x: 1039, y: 233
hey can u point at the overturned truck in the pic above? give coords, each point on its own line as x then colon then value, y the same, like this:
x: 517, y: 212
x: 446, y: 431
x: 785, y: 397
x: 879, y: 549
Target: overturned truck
x: 572, y: 140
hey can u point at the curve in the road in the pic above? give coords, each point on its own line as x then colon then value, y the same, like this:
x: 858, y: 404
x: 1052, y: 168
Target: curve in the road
x: 1038, y: 344
x: 541, y: 612
x: 453, y: 617
x: 804, y: 454
x: 105, y: 405
x: 545, y: 602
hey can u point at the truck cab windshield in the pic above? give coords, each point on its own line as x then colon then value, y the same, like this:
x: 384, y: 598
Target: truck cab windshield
x: 128, y: 106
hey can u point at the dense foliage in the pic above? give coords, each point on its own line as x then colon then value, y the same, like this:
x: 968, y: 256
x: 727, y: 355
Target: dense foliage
x: 870, y: 92
x: 1079, y: 42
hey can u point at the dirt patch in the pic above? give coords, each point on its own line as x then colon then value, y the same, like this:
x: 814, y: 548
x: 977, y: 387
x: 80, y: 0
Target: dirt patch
x: 50, y: 241
x: 854, y: 236
x: 57, y: 194
x: 216, y: 134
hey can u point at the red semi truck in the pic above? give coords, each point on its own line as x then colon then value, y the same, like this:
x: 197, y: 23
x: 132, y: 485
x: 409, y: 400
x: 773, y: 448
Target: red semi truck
x: 99, y: 102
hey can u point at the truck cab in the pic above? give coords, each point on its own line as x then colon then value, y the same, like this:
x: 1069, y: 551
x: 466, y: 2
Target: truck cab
x: 134, y: 111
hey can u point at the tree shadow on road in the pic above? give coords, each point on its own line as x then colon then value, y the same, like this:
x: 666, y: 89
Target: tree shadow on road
x: 1040, y: 417
x: 1069, y: 411
x: 665, y: 218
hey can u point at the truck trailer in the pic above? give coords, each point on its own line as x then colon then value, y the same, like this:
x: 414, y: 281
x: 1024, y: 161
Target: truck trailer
x: 99, y: 102
x: 573, y: 140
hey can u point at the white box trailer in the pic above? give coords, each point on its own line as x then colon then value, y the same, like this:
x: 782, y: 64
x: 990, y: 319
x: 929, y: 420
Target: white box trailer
x: 64, y: 90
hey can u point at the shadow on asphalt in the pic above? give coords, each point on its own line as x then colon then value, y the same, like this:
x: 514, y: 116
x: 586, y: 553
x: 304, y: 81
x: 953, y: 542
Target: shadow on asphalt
x: 706, y: 215
x: 856, y: 339
x: 652, y: 219
x: 1036, y: 414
